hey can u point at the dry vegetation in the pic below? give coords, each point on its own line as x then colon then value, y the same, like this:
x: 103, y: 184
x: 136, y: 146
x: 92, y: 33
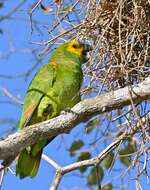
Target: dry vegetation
x: 120, y: 31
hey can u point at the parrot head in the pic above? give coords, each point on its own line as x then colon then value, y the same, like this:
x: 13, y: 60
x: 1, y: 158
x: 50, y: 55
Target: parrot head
x: 75, y: 49
x: 79, y: 48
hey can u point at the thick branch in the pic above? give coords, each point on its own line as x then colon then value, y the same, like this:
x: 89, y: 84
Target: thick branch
x: 81, y: 112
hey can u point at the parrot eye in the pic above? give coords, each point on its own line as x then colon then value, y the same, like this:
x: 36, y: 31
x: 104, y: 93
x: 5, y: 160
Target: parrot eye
x: 74, y: 46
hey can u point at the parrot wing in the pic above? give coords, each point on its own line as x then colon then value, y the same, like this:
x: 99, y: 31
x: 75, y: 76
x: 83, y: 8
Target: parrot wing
x: 38, y: 87
x: 27, y: 163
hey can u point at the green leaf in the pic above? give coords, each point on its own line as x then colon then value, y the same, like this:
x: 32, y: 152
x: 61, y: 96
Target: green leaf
x: 107, y: 162
x: 96, y: 175
x: 84, y: 156
x: 108, y: 186
x: 1, y: 31
x: 91, y: 125
x: 1, y: 4
x: 76, y: 145
x: 126, y: 160
x: 131, y: 147
x: 124, y: 153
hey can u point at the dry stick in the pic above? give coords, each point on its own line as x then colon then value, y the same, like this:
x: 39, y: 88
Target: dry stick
x: 23, y: 19
x: 137, y: 114
x: 2, y: 178
x: 35, y: 6
x: 134, y: 109
x: 145, y: 119
x: 12, y: 11
x: 31, y: 12
x: 61, y: 34
x: 57, y: 24
x: 51, y: 162
x: 13, y: 98
x: 48, y: 43
x: 84, y: 110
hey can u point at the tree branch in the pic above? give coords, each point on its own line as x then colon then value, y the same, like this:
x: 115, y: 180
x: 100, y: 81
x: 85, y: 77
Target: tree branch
x: 84, y: 110
x: 91, y: 162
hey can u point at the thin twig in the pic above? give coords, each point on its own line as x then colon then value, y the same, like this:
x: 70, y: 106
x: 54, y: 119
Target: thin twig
x: 51, y: 162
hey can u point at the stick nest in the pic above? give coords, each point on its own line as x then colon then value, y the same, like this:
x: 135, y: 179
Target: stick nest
x: 120, y: 33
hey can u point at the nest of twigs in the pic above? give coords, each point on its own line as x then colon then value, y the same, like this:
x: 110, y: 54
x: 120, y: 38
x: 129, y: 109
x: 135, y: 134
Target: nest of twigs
x: 120, y: 32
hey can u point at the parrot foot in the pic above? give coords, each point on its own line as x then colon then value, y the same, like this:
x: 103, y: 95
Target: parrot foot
x: 48, y: 110
x: 65, y: 111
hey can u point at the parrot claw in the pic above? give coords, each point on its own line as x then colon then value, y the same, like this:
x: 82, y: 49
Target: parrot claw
x: 47, y: 110
x: 66, y: 111
x: 28, y: 149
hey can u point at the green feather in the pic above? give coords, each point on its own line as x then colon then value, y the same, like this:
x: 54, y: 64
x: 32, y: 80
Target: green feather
x: 28, y: 165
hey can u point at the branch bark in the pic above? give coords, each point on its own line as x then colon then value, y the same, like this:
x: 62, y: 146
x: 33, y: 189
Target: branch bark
x: 84, y: 110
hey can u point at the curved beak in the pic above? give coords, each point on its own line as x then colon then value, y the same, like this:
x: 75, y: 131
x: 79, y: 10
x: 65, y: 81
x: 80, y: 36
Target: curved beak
x: 86, y: 49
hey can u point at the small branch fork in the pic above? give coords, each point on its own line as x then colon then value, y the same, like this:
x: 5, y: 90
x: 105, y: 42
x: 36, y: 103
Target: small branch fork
x: 60, y: 171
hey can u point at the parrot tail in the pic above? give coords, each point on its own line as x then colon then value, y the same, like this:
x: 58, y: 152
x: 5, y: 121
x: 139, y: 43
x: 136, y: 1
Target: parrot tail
x: 27, y: 164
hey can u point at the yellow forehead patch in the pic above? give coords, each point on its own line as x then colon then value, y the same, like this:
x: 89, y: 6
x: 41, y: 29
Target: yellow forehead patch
x: 74, y: 47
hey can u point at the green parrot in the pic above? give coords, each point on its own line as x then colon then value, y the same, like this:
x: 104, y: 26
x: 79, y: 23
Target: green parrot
x: 54, y: 88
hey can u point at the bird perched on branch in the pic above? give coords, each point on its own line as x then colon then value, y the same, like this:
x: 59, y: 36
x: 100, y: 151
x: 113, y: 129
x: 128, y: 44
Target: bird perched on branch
x: 54, y: 88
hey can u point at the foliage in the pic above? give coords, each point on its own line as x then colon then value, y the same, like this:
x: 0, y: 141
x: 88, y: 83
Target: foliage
x: 95, y: 176
x: 84, y: 156
x: 76, y: 145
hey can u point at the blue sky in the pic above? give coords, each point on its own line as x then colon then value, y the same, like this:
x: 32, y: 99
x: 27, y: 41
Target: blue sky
x: 16, y: 58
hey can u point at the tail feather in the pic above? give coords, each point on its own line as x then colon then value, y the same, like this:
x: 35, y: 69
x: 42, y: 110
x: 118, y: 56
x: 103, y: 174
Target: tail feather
x: 29, y: 159
x: 27, y: 164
